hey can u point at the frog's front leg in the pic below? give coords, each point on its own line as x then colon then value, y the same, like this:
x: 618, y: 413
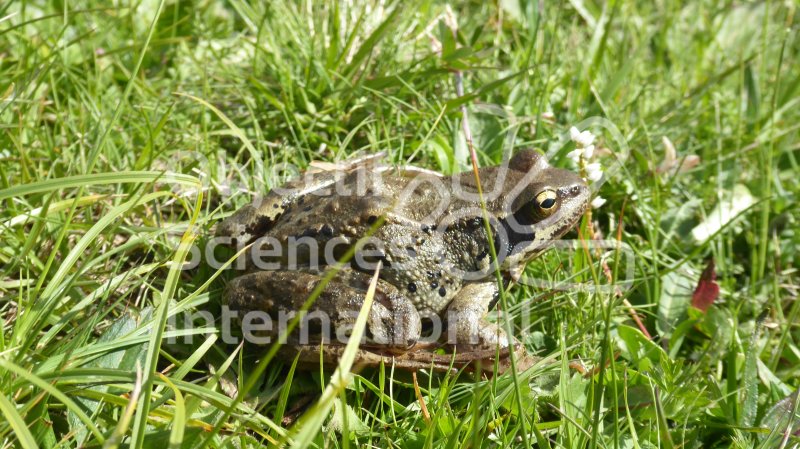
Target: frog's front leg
x: 393, y: 324
x: 467, y: 328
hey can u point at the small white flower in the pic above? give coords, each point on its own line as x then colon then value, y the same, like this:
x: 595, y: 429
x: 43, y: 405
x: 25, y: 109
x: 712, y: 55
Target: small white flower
x: 595, y: 176
x: 585, y: 139
x: 598, y: 201
x: 581, y: 139
x: 575, y: 155
x: 588, y: 152
x: 594, y: 171
x: 574, y: 134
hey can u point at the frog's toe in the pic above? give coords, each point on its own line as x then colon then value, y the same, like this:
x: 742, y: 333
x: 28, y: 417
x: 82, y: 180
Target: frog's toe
x: 396, y: 330
x: 471, y: 336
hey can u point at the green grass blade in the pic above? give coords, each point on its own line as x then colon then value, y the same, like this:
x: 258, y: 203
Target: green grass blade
x: 308, y: 426
x: 154, y: 342
x: 55, y: 392
x: 179, y: 419
x: 101, y: 141
x: 235, y: 130
x: 17, y: 424
x: 91, y: 235
x: 125, y: 177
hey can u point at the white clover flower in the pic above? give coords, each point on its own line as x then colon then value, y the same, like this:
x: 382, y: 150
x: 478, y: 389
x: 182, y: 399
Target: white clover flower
x: 597, y: 202
x: 595, y: 176
x: 594, y: 171
x: 581, y: 139
x: 574, y: 134
x: 581, y: 155
x: 585, y: 139
x: 575, y: 155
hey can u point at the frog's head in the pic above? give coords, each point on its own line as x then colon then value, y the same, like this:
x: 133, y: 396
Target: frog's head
x: 540, y: 205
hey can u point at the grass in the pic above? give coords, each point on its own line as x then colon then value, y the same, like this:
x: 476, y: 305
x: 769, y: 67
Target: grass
x: 128, y: 131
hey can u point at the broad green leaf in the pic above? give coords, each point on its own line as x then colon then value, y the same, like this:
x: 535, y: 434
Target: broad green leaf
x: 784, y: 416
x: 640, y: 349
x: 674, y: 300
x: 750, y: 380
x: 123, y: 358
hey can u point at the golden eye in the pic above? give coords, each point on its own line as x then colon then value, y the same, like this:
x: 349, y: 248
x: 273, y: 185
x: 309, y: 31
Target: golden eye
x: 546, y: 202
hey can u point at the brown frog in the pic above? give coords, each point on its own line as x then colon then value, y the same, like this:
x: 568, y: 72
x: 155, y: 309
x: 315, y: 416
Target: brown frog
x: 426, y: 233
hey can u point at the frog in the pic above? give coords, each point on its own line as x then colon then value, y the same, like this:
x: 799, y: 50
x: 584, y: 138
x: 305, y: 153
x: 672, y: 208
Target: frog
x: 437, y: 243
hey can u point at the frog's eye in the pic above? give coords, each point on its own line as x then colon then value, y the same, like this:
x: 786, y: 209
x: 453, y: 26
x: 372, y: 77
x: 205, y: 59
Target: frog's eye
x: 546, y: 202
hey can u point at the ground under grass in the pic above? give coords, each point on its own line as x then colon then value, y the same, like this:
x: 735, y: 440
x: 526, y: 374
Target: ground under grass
x: 128, y: 131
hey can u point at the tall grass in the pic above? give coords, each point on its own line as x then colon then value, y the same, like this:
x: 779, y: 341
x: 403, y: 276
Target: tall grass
x: 128, y: 131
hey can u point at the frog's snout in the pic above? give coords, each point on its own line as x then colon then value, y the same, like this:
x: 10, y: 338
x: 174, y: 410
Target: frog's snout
x: 575, y: 194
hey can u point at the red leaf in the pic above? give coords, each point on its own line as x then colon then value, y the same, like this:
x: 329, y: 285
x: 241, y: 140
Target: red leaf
x: 707, y: 289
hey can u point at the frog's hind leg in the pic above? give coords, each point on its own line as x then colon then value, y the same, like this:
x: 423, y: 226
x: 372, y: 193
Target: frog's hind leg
x: 393, y: 323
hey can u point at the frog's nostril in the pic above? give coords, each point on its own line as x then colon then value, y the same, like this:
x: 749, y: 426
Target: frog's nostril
x: 575, y: 190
